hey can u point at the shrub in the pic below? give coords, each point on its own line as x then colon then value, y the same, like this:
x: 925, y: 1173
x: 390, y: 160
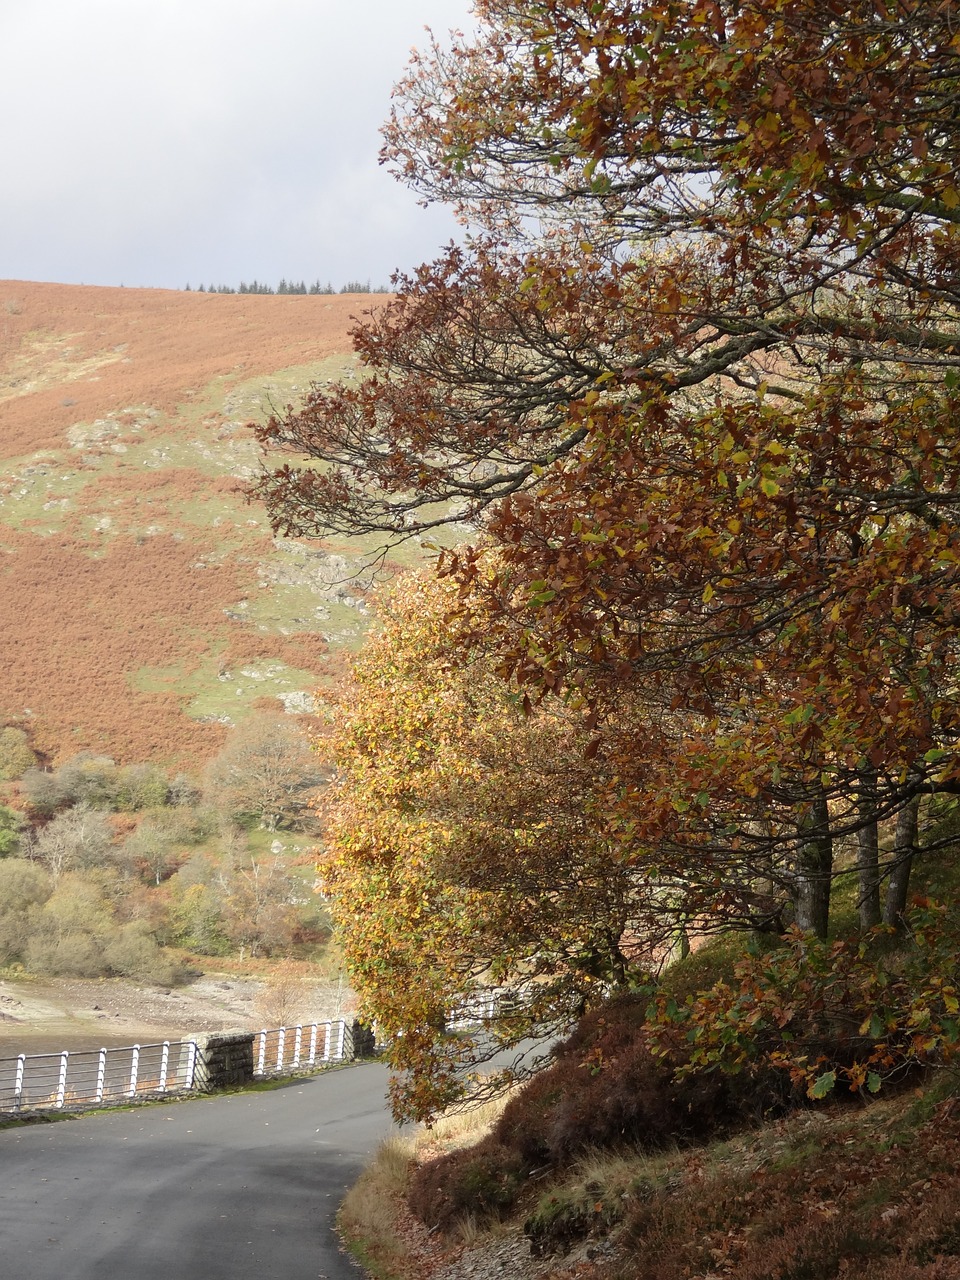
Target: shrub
x: 44, y: 791
x: 609, y: 1086
x: 16, y: 756
x: 823, y: 1013
x: 74, y: 953
x: 133, y: 953
x: 139, y: 786
x: 24, y: 887
x: 482, y: 1180
x: 11, y: 824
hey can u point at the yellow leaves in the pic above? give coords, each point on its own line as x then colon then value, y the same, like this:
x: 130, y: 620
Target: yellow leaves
x: 708, y: 593
x: 769, y: 486
x: 950, y: 197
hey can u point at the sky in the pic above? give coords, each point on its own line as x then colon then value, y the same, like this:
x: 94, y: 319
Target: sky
x: 165, y: 142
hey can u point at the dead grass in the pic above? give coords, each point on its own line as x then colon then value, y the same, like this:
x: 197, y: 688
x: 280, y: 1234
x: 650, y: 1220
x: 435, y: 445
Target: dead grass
x: 370, y: 1217
x: 462, y: 1125
x: 125, y: 543
x: 154, y: 347
x: 378, y: 1227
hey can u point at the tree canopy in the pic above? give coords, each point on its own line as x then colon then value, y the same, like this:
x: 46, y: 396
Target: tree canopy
x: 466, y: 850
x: 694, y: 375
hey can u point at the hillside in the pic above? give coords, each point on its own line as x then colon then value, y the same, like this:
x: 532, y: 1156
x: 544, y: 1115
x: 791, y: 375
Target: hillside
x: 629, y: 1157
x: 146, y: 606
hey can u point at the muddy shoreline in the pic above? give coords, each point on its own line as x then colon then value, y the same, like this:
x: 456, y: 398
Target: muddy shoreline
x: 48, y: 1015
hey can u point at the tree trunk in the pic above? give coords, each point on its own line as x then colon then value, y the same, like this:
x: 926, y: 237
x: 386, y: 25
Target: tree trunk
x: 904, y: 848
x: 868, y: 858
x: 815, y: 870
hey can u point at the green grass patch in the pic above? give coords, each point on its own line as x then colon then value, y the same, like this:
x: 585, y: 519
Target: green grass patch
x: 248, y: 399
x: 213, y: 691
x: 40, y: 494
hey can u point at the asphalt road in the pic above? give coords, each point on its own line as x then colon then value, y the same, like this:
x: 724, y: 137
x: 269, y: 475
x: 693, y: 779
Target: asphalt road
x: 238, y: 1187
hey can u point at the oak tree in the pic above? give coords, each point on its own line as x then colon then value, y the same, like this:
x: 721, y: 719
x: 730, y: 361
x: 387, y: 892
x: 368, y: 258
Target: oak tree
x: 265, y: 772
x: 695, y: 374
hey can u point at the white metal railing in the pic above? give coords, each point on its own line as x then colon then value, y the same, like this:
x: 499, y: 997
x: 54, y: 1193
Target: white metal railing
x: 74, y: 1078
x: 79, y: 1078
x: 292, y: 1048
x: 484, y: 1005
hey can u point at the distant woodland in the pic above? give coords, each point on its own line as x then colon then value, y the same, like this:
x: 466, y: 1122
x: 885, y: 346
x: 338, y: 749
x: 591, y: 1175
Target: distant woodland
x: 110, y: 869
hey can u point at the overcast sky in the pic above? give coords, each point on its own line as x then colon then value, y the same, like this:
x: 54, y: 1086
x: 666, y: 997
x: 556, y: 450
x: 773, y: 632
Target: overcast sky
x: 161, y: 142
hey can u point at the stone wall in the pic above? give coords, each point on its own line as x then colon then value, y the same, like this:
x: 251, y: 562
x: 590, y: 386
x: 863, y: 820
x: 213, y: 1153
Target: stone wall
x: 224, y: 1061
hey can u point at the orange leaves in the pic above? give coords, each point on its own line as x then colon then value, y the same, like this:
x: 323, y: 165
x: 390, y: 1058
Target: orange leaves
x: 694, y: 382
x: 459, y: 846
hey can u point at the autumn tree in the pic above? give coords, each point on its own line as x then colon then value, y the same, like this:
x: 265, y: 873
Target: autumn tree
x: 464, y: 849
x: 24, y: 888
x: 695, y: 375
x: 74, y: 839
x: 11, y: 829
x: 156, y: 848
x: 266, y: 772
x: 16, y: 754
x: 257, y: 909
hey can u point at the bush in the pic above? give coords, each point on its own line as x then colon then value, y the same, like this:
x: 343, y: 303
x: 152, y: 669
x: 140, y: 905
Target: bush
x: 74, y: 953
x: 609, y: 1087
x: 133, y: 953
x: 98, y: 782
x: 483, y: 1181
x: 24, y: 888
x: 826, y: 1014
x: 16, y: 756
x: 139, y: 786
x: 11, y: 824
x: 44, y: 791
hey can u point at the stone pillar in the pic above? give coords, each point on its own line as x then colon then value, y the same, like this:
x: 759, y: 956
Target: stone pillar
x: 363, y: 1040
x: 224, y: 1061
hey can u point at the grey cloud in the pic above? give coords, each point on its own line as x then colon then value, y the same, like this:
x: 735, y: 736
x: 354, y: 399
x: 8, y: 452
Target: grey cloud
x: 207, y: 139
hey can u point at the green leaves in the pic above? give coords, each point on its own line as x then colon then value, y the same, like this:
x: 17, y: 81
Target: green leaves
x: 831, y: 1015
x: 822, y: 1085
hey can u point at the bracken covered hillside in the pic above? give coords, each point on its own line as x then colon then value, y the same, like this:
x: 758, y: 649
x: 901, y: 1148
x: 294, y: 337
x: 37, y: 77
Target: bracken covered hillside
x: 145, y: 604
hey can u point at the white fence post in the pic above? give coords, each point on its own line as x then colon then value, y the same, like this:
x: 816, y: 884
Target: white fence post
x: 327, y: 1034
x: 281, y: 1041
x: 261, y: 1056
x: 297, y: 1041
x: 313, y: 1044
x: 134, y: 1069
x: 18, y: 1082
x: 62, y: 1082
x: 164, y: 1064
x: 101, y: 1073
x: 190, y: 1075
x: 340, y: 1037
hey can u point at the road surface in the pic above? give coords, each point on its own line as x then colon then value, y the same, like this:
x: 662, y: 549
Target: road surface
x: 236, y: 1187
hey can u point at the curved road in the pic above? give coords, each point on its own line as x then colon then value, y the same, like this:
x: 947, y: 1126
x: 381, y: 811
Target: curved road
x: 238, y: 1187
